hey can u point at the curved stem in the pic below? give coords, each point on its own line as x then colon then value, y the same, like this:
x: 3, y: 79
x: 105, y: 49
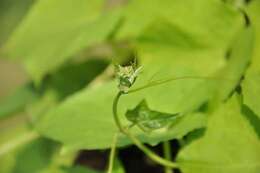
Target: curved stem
x: 136, y: 141
x: 163, y: 81
x: 18, y: 142
x: 115, y: 104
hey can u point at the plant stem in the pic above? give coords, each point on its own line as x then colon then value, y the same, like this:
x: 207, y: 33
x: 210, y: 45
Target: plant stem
x: 167, y: 155
x: 17, y: 142
x: 112, y: 155
x: 163, y: 81
x: 153, y: 156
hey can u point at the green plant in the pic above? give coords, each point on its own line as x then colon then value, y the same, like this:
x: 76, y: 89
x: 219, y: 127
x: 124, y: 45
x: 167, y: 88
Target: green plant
x: 143, y: 72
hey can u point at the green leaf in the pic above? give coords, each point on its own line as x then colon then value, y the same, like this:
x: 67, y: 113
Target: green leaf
x: 85, y: 120
x: 168, y: 48
x: 64, y: 82
x: 240, y: 4
x: 199, y: 22
x: 17, y: 101
x: 13, y: 132
x: 10, y: 131
x: 54, y: 31
x: 148, y: 119
x: 251, y: 84
x: 69, y: 79
x: 230, y: 144
x: 34, y: 157
x: 11, y: 12
x: 254, y: 13
x: 240, y: 57
x: 21, y: 149
x: 251, y: 90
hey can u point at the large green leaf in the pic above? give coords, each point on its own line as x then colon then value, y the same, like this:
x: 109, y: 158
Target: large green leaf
x: 85, y: 120
x: 54, y: 31
x: 89, y: 115
x: 251, y: 84
x: 199, y: 21
x: 230, y: 144
x: 162, y: 62
x: 169, y: 47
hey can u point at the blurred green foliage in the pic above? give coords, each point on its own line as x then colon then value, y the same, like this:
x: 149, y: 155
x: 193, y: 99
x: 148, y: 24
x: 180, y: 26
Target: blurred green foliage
x: 66, y: 48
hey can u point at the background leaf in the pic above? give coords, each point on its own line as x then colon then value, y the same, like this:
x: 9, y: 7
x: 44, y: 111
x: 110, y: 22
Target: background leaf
x: 48, y: 36
x: 225, y: 147
x: 17, y: 101
x: 11, y: 12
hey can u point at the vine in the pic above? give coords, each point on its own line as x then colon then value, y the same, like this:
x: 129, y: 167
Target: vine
x: 126, y: 78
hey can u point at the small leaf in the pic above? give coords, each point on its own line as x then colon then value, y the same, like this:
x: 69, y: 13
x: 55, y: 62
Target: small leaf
x: 148, y: 119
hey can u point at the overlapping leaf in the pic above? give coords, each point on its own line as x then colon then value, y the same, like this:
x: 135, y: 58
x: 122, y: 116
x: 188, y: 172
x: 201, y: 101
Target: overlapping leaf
x: 88, y: 114
x: 230, y: 144
x: 251, y: 84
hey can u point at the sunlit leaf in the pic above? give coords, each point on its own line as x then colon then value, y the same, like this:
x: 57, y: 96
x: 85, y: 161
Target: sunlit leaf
x: 168, y: 48
x: 251, y: 84
x: 230, y: 144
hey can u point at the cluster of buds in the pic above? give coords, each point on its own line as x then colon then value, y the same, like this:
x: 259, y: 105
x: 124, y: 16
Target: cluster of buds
x: 126, y: 76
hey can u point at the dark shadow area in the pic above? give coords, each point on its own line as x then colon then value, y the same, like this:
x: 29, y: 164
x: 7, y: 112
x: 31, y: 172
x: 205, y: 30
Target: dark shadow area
x: 133, y: 160
x: 94, y: 159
